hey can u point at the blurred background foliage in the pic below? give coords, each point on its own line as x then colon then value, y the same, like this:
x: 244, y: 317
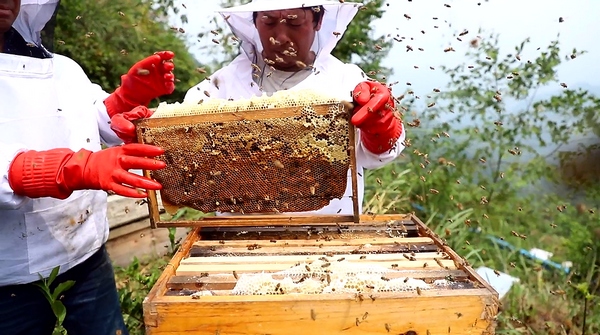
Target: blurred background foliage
x: 107, y: 37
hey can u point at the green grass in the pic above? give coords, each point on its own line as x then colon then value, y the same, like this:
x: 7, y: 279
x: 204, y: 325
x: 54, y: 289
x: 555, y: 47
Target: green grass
x: 545, y: 301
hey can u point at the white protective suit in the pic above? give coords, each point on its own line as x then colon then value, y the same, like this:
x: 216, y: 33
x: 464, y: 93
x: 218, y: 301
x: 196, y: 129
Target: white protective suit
x: 45, y: 104
x: 329, y: 74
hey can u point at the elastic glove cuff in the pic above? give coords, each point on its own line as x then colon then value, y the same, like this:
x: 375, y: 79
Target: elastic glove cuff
x: 35, y: 174
x: 117, y: 103
x: 380, y: 143
x: 74, y: 175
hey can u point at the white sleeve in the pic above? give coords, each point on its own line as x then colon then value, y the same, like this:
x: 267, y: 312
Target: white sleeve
x: 8, y: 199
x: 107, y: 135
x: 202, y: 91
x: 353, y: 76
x: 370, y: 160
x: 95, y: 94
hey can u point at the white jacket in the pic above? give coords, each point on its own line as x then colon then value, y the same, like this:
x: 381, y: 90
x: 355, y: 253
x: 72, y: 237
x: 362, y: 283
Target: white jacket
x: 330, y: 75
x: 46, y: 104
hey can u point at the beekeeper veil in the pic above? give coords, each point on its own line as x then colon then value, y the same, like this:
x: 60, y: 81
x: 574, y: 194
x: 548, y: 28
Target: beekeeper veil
x: 335, y: 21
x: 34, y: 17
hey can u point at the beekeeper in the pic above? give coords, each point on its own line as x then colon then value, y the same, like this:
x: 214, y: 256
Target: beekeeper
x: 287, y: 45
x: 55, y: 177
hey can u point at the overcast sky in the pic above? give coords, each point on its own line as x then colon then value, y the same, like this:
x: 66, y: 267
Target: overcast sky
x: 514, y: 20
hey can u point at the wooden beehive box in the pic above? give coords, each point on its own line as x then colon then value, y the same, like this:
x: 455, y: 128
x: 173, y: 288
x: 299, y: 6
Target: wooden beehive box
x: 236, y: 157
x: 194, y: 293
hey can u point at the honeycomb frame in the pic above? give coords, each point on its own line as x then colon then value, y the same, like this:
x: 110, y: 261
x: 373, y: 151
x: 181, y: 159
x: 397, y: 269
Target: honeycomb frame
x: 222, y: 117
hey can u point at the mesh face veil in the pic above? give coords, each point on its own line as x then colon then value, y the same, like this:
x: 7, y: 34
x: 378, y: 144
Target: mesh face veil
x: 335, y: 21
x: 34, y: 17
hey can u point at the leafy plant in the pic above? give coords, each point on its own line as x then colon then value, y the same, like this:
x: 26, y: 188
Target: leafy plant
x: 107, y: 37
x: 54, y: 295
x: 134, y: 282
x: 484, y: 172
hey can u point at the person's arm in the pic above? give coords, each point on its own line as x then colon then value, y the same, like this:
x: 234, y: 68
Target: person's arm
x: 380, y: 130
x: 27, y: 174
x: 146, y: 80
x: 9, y: 199
x: 108, y: 137
x: 57, y: 173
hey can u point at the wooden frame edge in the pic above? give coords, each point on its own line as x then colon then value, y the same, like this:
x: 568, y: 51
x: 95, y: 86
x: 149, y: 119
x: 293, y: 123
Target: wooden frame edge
x: 459, y: 261
x: 353, y: 166
x: 154, y: 211
x: 282, y: 220
x: 160, y: 287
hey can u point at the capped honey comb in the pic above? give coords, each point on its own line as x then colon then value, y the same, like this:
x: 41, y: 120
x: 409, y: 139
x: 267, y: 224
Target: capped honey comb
x: 289, y: 152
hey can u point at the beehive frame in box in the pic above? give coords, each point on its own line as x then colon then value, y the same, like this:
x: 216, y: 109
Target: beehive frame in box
x: 389, y: 275
x: 279, y: 156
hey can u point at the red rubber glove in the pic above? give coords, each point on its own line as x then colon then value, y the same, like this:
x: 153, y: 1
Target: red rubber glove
x: 58, y: 172
x: 122, y: 126
x: 148, y: 79
x: 380, y: 128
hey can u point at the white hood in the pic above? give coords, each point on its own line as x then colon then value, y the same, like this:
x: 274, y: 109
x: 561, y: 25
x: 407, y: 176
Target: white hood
x: 33, y: 17
x: 336, y: 19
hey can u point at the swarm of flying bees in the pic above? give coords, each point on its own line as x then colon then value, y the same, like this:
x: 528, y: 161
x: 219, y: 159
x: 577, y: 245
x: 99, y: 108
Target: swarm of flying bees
x: 429, y: 165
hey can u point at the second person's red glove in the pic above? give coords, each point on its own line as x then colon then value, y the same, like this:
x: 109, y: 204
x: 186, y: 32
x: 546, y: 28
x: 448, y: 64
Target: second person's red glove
x: 374, y: 116
x: 122, y: 126
x: 58, y: 172
x: 147, y: 79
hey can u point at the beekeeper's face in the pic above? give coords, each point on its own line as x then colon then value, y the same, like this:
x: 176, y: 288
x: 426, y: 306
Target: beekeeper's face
x: 287, y: 36
x: 9, y: 9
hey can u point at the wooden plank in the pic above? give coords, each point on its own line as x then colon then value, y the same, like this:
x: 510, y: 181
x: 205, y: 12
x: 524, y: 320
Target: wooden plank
x: 317, y: 220
x: 228, y: 280
x: 292, y: 259
x: 160, y: 287
x: 197, y: 269
x: 460, y: 262
x: 412, y: 241
x: 402, y: 228
x: 222, y: 289
x: 137, y: 227
x: 153, y: 204
x: 297, y: 298
x: 347, y: 245
x: 321, y: 249
x: 280, y: 220
x: 228, y: 116
x: 123, y: 210
x: 311, y: 219
x: 353, y: 170
x: 439, y: 312
x: 139, y: 240
x: 365, y: 226
x: 258, y: 220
